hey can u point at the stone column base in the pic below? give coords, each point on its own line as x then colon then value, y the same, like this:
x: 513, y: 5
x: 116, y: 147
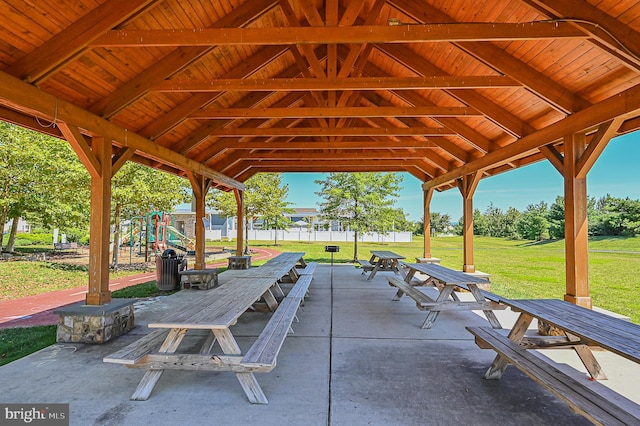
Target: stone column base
x: 80, y: 323
x: 239, y: 262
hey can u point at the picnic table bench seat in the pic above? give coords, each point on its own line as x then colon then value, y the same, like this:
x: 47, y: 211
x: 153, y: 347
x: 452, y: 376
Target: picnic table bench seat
x: 366, y: 266
x: 582, y: 397
x: 301, y: 287
x: 309, y: 269
x: 411, y: 291
x: 263, y: 354
x: 136, y: 351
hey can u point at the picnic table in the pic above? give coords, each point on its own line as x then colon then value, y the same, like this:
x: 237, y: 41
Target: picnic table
x: 218, y: 310
x: 381, y: 260
x: 580, y: 329
x: 446, y: 281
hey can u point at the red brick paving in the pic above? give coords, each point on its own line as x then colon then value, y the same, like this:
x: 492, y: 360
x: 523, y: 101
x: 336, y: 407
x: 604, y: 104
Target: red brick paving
x: 38, y: 310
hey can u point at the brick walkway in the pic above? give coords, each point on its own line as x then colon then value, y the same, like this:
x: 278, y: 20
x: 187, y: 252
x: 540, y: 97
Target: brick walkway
x: 38, y: 309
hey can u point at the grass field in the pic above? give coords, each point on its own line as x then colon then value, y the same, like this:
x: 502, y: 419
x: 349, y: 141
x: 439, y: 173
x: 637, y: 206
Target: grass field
x: 518, y: 269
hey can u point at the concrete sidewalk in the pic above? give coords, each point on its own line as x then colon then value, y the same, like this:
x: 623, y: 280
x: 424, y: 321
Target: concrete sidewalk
x: 356, y: 358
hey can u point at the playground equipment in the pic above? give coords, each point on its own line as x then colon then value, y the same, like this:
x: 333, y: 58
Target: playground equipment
x: 155, y: 231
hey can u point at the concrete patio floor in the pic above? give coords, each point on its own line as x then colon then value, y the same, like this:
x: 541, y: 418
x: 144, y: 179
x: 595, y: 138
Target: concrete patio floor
x: 356, y: 358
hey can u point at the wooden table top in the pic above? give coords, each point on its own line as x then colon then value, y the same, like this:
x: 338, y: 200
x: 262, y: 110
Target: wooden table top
x: 219, y: 307
x: 614, y: 334
x: 383, y: 254
x: 446, y: 275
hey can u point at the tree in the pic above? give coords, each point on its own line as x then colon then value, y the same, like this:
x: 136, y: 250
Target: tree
x: 533, y: 224
x: 359, y: 200
x: 511, y: 220
x: 556, y: 219
x: 264, y: 195
x: 137, y: 189
x: 31, y: 169
x: 495, y: 221
x: 440, y: 222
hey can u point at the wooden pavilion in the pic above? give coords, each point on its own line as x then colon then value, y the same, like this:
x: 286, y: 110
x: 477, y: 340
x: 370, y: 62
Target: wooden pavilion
x: 219, y: 90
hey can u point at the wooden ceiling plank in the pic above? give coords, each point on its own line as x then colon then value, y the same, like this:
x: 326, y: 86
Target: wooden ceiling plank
x: 166, y: 122
x: 40, y: 103
x: 50, y: 56
x: 491, y: 55
x: 415, y: 33
x: 175, y: 62
x: 624, y: 104
x: 495, y: 113
x: 601, y: 26
x: 352, y: 83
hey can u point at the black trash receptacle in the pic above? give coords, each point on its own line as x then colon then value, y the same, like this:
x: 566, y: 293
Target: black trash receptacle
x: 168, y: 264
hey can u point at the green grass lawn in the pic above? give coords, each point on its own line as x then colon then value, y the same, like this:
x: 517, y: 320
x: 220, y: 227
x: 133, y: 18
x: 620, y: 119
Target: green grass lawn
x: 518, y: 269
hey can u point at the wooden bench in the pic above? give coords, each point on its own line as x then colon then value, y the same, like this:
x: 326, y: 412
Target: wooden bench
x: 487, y: 294
x: 65, y: 246
x: 309, y: 269
x: 301, y: 287
x: 582, y: 397
x: 263, y: 354
x: 366, y: 266
x: 134, y: 352
x: 411, y: 291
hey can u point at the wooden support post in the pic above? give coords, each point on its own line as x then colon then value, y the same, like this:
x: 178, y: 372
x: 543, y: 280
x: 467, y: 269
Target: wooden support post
x: 99, y: 225
x: 428, y: 195
x: 467, y: 186
x: 200, y: 185
x: 574, y: 167
x: 576, y: 226
x: 240, y: 232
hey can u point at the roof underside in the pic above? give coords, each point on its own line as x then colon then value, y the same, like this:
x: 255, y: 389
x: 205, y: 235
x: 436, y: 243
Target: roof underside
x: 230, y: 88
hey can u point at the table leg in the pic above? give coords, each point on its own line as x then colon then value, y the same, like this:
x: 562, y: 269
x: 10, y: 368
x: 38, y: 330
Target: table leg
x: 248, y: 381
x: 588, y: 360
x: 491, y: 316
x: 152, y: 375
x: 374, y: 270
x: 445, y: 293
x: 207, y: 346
x: 516, y: 334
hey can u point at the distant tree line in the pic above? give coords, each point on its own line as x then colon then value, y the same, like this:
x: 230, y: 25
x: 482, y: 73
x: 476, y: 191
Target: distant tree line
x: 607, y: 215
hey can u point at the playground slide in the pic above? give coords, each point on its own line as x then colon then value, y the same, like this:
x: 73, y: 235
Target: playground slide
x: 180, y: 241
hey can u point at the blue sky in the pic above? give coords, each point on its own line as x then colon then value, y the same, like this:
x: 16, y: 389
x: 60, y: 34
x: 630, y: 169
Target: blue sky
x: 617, y: 172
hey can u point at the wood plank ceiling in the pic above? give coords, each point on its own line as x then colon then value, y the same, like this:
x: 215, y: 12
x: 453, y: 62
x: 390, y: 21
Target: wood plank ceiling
x: 230, y: 88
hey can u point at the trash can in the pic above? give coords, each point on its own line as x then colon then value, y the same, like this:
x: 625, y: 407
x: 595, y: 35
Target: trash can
x: 168, y: 264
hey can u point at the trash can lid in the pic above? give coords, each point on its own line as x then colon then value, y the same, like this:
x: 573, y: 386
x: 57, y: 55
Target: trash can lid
x: 169, y: 253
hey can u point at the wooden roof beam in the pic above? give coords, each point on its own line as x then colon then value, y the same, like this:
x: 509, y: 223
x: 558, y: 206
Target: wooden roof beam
x: 623, y: 105
x: 600, y: 26
x: 175, y: 116
x: 65, y: 46
x: 175, y: 61
x: 338, y: 131
x: 543, y: 87
x: 334, y: 112
x: 350, y: 83
x: 508, y: 122
x: 414, y: 33
x: 30, y: 99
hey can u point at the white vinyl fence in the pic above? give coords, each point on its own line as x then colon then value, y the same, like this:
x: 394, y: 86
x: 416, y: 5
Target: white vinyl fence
x: 304, y: 235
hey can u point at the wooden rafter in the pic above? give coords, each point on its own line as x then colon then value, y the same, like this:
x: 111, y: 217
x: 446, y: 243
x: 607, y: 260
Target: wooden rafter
x: 340, y: 35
